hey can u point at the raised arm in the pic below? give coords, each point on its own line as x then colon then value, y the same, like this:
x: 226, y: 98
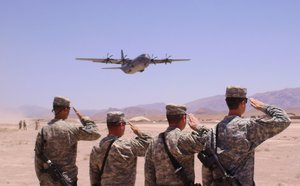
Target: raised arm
x: 140, y: 143
x: 89, y: 131
x: 195, y: 139
x: 264, y: 128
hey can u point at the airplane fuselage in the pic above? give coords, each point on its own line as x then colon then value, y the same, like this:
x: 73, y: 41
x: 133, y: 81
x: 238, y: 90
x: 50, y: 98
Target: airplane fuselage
x: 136, y: 65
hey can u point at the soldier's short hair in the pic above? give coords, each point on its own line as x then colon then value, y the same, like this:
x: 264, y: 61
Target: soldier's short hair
x: 175, y: 118
x: 233, y: 103
x: 175, y: 113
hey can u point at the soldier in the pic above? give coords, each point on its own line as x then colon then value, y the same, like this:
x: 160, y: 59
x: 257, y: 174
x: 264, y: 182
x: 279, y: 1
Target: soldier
x: 37, y: 124
x: 159, y: 168
x: 236, y: 138
x: 20, y: 124
x: 114, y: 160
x: 24, y: 125
x: 56, y: 146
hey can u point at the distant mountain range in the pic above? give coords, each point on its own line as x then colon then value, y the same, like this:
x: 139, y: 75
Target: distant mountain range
x: 287, y: 98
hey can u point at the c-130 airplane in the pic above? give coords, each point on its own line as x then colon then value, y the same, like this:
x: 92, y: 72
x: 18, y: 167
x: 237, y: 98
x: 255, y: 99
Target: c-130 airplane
x: 131, y: 66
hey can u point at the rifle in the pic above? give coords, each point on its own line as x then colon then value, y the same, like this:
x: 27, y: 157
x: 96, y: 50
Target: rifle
x: 56, y: 173
x: 209, y: 159
x: 53, y: 169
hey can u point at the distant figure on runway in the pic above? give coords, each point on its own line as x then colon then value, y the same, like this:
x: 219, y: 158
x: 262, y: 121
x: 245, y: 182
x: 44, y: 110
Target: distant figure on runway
x: 37, y: 124
x: 24, y: 125
x: 20, y: 124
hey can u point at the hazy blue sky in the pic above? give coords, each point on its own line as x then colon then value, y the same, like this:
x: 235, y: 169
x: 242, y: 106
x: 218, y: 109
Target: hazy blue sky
x: 255, y: 44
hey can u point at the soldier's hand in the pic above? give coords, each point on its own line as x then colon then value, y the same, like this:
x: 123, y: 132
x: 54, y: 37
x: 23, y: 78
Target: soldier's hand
x: 134, y: 128
x: 258, y: 105
x: 77, y: 113
x: 192, y: 121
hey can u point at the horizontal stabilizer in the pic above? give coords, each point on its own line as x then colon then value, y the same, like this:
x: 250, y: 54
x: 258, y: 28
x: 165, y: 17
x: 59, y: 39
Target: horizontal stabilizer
x: 112, y: 68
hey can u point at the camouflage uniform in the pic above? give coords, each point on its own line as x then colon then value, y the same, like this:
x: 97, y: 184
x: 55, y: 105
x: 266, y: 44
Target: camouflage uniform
x: 120, y: 165
x: 60, y: 146
x: 237, y: 139
x: 158, y: 168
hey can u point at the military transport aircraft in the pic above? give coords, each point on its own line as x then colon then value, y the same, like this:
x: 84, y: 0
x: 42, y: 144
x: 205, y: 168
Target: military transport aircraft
x: 131, y: 66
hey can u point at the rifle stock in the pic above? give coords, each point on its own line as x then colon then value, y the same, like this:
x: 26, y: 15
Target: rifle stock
x: 56, y: 174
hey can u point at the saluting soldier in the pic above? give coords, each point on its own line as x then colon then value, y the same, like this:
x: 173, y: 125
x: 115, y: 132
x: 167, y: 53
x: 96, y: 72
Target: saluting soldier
x: 237, y: 137
x: 113, y: 161
x: 159, y: 168
x: 56, y: 146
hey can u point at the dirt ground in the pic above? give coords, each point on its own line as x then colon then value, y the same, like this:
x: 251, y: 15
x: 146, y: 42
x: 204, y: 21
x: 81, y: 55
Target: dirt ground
x: 276, y: 162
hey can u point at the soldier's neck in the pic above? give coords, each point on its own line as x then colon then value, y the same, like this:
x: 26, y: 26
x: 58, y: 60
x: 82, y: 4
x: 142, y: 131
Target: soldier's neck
x: 234, y: 112
x: 114, y: 133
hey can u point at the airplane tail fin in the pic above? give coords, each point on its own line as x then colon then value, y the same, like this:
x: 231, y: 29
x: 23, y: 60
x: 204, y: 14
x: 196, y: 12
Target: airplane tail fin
x: 122, y: 55
x: 112, y: 68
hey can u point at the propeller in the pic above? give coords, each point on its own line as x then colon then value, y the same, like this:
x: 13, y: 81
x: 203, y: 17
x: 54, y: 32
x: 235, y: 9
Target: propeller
x: 123, y: 57
x: 167, y: 60
x: 152, y: 59
x: 108, y: 58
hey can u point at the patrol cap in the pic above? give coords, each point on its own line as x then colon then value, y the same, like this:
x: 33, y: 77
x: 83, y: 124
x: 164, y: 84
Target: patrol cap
x: 235, y: 92
x: 115, y: 117
x: 61, y: 101
x: 173, y: 109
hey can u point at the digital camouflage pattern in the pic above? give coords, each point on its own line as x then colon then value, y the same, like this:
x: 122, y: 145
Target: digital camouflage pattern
x: 115, y: 117
x: 60, y: 146
x: 61, y: 101
x: 235, y: 92
x: 237, y: 139
x: 158, y: 167
x: 120, y: 166
x: 172, y: 109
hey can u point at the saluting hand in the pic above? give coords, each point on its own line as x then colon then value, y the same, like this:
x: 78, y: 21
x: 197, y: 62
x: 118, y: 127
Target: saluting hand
x: 193, y: 121
x: 134, y: 128
x: 78, y: 114
x: 258, y: 105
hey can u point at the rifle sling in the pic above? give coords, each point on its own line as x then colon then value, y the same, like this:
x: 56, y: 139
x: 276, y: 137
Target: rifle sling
x: 105, y: 157
x: 214, y: 145
x: 177, y: 166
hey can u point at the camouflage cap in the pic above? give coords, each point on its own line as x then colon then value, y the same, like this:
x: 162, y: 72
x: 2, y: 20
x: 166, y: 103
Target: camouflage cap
x: 61, y: 101
x: 235, y: 92
x: 115, y: 117
x: 175, y: 109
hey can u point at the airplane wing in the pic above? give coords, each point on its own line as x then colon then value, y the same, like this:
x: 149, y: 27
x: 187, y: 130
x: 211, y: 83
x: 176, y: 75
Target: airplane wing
x: 112, y: 68
x: 102, y: 60
x: 166, y: 60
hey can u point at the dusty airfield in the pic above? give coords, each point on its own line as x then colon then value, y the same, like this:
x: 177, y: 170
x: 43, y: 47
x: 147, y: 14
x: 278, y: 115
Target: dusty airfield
x: 277, y: 160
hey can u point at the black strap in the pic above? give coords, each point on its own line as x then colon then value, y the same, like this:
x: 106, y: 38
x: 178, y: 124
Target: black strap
x: 104, y: 159
x: 214, y: 140
x: 177, y: 166
x: 214, y: 144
